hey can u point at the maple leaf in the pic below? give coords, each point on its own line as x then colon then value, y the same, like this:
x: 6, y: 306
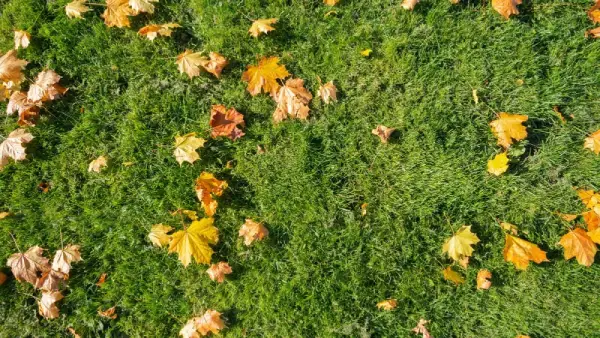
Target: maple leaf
x: 22, y: 39
x: 46, y: 87
x: 452, y: 276
x: 594, y: 12
x: 387, y: 305
x: 194, y: 242
x: 47, y: 304
x: 331, y: 2
x: 252, y: 231
x: 98, y: 164
x: 11, y: 67
x: 592, y: 220
x: 17, y: 102
x: 185, y: 148
x: 189, y: 329
x: 224, y: 122
x: 116, y: 13
x: 208, y: 186
x: 209, y: 322
x: 506, y: 8
x: 188, y: 62
x: 292, y: 101
x: 594, y: 33
x: 459, y: 245
x: 75, y: 8
x: 588, y: 197
x: 26, y: 266
x: 158, y: 235
x: 578, y: 244
x: 51, y: 280
x: 483, y: 279
x: 4, y: 214
x: 519, y: 252
x: 409, y: 4
x: 508, y: 127
x: 108, y: 313
x: 499, y: 164
x: 592, y: 142
x: 383, y: 133
x: 217, y: 272
x: 566, y: 217
x: 28, y: 115
x: 142, y: 6
x: 12, y: 146
x: 328, y: 92
x: 261, y: 26
x: 152, y: 31
x: 421, y: 329
x: 215, y: 64
x: 509, y: 227
x: 63, y: 258
x: 263, y: 77
x: 101, y: 280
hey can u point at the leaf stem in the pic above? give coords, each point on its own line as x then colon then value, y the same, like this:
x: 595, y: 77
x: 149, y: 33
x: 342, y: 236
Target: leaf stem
x: 15, y: 241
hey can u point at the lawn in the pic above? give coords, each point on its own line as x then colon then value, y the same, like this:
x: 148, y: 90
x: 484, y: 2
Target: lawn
x: 324, y: 266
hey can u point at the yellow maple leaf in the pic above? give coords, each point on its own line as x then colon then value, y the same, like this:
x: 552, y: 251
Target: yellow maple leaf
x: 452, y: 276
x: 498, y: 165
x: 189, y: 62
x: 592, y: 142
x: 75, y: 8
x: 263, y: 77
x: 592, y: 220
x: 506, y: 7
x: 22, y: 39
x: 578, y: 244
x: 108, y: 313
x: 459, y: 245
x: 567, y: 217
x: 194, y: 242
x: 11, y: 67
x: 519, y: 252
x: 98, y: 164
x: 387, y: 305
x: 208, y: 186
x: 292, y: 101
x: 185, y: 148
x: 366, y: 52
x: 261, y: 26
x: 116, y: 13
x: 588, y: 197
x: 159, y: 235
x: 152, y: 31
x: 483, y: 279
x: 508, y: 127
x: 594, y: 235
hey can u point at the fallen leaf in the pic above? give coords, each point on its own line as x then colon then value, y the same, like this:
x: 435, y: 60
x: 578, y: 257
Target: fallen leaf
x: 25, y: 267
x: 387, y: 305
x: 17, y: 102
x: 292, y: 101
x: 63, y: 258
x: 260, y: 149
x: 483, y: 279
x: 191, y: 214
x: 46, y: 87
x: 506, y: 8
x: 207, y: 186
x: 261, y: 26
x: 509, y: 227
x: 142, y: 6
x: 264, y: 76
x: 47, y: 304
x: 330, y: 13
x: 210, y: 322
x: 499, y: 164
x: 593, y: 33
x: 189, y: 329
x: 421, y: 329
x: 409, y: 4
x: 519, y: 252
x: 109, y: 313
x: 98, y: 164
x: 594, y: 12
x: 2, y: 277
x: 363, y: 209
x: 566, y: 217
x: 588, y: 197
x: 185, y: 148
x: 101, y: 280
x: 452, y: 276
x: 522, y: 336
x: 194, y: 242
x: 578, y: 244
x: 592, y: 142
x: 116, y: 13
x: 159, y: 235
x: 43, y: 187
x: 464, y: 262
x: 217, y: 272
x: 128, y: 164
x: 4, y: 214
x: 328, y: 92
x: 188, y: 62
x: 474, y: 93
x: 11, y: 68
x: 508, y: 127
x: 12, y: 146
x: 383, y: 133
x: 74, y: 9
x: 51, y: 280
x: 28, y: 115
x: 459, y: 245
x: 72, y: 331
x: 592, y: 220
x: 454, y: 2
x: 366, y: 52
x: 224, y: 122
x: 152, y: 31
x: 215, y: 64
x: 252, y: 231
x: 22, y: 39
x: 331, y: 2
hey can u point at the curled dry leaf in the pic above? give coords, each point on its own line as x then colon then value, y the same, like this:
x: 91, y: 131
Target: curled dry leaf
x: 51, y: 280
x: 74, y: 9
x: 519, y: 252
x: 214, y: 64
x: 452, y: 276
x: 22, y: 39
x: 98, y: 164
x: 498, y: 165
x: 108, y: 313
x: 508, y: 127
x: 63, y: 258
x: 328, y: 92
x: 17, y: 103
x: 43, y: 187
x: 252, y: 231
x: 261, y: 26
x: 387, y: 305
x: 264, y: 76
x: 207, y: 186
x: 26, y: 266
x: 210, y: 322
x: 47, y: 304
x: 224, y: 122
x: 46, y: 87
x: 483, y: 279
x: 194, y: 242
x: 11, y: 68
x: 101, y: 280
x: 217, y: 272
x: 12, y: 146
x: 421, y: 329
x: 578, y: 244
x: 409, y: 4
x: 185, y: 148
x: 152, y: 31
x: 117, y: 13
x: 592, y: 142
x: 292, y: 101
x: 506, y: 8
x: 464, y: 262
x: 383, y: 133
x: 459, y: 245
x: 189, y: 62
x: 159, y: 235
x: 142, y: 6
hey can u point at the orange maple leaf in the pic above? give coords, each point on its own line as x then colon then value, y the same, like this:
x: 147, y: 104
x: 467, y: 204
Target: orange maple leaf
x: 208, y: 186
x: 224, y: 122
x: 578, y: 244
x: 264, y: 76
x: 519, y: 252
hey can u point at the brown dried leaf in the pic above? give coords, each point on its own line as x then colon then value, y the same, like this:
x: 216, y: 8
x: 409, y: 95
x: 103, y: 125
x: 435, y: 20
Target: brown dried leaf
x: 98, y: 164
x: 383, y: 133
x: 217, y: 272
x: 25, y: 267
x: 152, y: 31
x: 109, y: 313
x: 12, y: 146
x: 11, y: 67
x: 506, y: 7
x: 47, y: 304
x: 63, y: 259
x: 252, y: 231
x: 292, y: 101
x: 75, y: 8
x: 224, y: 122
x: 117, y: 12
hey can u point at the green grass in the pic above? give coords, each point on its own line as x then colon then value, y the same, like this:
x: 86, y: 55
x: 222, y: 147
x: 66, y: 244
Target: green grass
x: 323, y: 267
